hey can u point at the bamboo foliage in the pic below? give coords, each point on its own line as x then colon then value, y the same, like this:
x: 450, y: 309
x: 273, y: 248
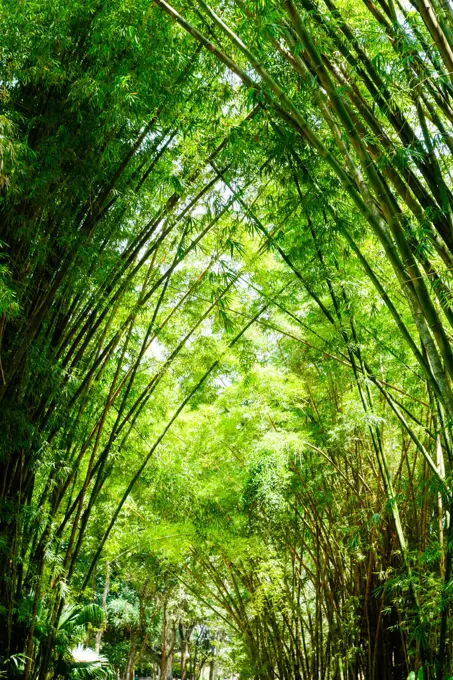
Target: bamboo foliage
x: 248, y: 184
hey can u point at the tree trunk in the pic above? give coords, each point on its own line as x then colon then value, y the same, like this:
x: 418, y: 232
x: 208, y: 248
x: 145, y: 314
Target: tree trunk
x: 167, y: 645
x: 131, y: 659
x: 105, y: 593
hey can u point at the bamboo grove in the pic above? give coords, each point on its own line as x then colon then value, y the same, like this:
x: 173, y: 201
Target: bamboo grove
x: 226, y: 333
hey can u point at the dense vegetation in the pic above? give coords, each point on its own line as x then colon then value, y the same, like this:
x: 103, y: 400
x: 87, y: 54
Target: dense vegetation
x: 226, y: 339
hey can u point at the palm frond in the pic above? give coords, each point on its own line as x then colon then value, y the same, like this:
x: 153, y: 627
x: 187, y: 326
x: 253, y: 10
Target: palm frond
x: 90, y: 670
x: 80, y: 615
